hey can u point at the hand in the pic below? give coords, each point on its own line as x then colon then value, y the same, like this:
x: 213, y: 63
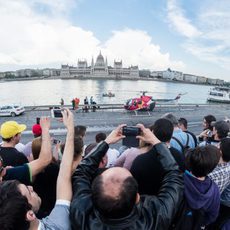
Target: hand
x: 45, y: 123
x: 147, y: 135
x: 68, y: 118
x: 204, y: 134
x: 115, y: 135
x: 3, y: 172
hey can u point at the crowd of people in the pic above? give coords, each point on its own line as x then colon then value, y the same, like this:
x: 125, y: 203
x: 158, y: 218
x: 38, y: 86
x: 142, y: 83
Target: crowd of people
x: 88, y: 104
x: 173, y: 179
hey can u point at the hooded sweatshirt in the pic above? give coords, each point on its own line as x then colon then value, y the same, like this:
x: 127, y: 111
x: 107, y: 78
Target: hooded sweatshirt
x: 202, y: 194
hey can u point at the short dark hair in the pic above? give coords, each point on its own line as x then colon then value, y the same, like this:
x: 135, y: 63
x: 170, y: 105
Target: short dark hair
x: 222, y: 129
x: 225, y: 149
x: 209, y: 119
x: 171, y: 118
x: 163, y: 129
x: 202, y: 160
x: 183, y: 121
x: 7, y: 139
x: 13, y: 206
x: 111, y: 207
x: 78, y: 146
x: 80, y: 130
x: 100, y: 137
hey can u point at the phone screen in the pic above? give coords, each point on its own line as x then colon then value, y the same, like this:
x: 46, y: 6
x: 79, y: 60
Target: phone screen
x: 131, y: 132
x: 38, y: 120
x: 56, y: 113
x: 56, y: 141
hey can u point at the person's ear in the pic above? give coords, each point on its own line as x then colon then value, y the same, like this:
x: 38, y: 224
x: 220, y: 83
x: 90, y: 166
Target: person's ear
x: 30, y: 216
x: 137, y: 198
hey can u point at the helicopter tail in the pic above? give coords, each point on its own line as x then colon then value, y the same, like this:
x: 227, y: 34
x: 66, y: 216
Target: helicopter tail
x: 179, y: 96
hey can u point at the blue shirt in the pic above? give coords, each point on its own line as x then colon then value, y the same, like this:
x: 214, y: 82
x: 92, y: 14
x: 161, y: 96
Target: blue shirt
x: 182, y: 137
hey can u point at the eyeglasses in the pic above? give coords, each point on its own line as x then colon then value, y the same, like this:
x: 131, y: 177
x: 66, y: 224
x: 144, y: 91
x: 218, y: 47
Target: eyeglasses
x: 1, y: 164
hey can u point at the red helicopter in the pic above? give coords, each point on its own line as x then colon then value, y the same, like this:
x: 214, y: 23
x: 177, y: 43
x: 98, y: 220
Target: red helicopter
x: 146, y: 103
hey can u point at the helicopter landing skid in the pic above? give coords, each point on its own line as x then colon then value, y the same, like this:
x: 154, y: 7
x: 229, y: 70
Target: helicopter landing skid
x: 141, y: 113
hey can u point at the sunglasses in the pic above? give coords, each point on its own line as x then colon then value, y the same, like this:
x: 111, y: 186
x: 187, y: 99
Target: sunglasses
x: 1, y: 164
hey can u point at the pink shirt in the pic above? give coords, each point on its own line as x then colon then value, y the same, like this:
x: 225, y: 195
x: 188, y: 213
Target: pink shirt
x: 127, y: 157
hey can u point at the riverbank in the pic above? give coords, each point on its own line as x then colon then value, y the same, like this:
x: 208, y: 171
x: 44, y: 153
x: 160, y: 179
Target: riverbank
x: 103, y: 78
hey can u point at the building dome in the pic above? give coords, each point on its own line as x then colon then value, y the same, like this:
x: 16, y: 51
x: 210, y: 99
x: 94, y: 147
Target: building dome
x: 100, y: 60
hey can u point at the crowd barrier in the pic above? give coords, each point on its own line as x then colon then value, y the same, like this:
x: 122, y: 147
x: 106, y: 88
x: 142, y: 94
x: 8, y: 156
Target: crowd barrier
x: 81, y: 107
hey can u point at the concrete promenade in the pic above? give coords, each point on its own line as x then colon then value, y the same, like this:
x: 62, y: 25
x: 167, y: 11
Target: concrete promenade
x: 106, y: 120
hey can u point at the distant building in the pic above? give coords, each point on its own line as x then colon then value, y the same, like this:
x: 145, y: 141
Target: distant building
x: 99, y: 69
x: 156, y: 74
x: 190, y: 77
x: 144, y: 73
x: 219, y: 82
x: 201, y: 79
x: 211, y: 81
x: 172, y: 75
x: 50, y: 72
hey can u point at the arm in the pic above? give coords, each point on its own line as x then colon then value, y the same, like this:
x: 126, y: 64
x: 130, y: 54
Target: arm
x: 59, y: 217
x: 84, y: 175
x: 45, y: 155
x: 64, y: 186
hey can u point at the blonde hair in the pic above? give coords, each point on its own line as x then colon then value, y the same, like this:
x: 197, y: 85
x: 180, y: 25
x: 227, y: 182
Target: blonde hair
x: 36, y: 147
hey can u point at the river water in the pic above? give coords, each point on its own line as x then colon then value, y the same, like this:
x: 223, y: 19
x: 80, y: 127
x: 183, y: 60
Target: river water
x: 49, y: 92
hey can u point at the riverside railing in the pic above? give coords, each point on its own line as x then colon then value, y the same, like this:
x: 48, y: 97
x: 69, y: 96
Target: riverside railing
x: 158, y: 106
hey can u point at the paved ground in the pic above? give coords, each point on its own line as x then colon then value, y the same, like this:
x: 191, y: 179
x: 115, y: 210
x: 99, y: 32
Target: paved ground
x: 107, y: 120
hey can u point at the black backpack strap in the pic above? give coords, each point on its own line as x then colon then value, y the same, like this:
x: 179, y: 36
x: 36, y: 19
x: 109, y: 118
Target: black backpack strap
x: 186, y: 145
x: 177, y: 140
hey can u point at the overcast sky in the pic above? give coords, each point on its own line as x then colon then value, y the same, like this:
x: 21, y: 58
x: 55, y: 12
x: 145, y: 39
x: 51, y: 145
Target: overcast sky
x: 192, y: 36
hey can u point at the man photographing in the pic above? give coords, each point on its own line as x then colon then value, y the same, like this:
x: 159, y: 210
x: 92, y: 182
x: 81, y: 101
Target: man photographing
x: 112, y: 200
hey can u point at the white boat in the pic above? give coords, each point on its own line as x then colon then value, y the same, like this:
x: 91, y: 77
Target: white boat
x: 219, y: 94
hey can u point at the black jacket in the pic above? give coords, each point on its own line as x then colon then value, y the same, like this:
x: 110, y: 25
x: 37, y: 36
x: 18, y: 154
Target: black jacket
x: 152, y: 212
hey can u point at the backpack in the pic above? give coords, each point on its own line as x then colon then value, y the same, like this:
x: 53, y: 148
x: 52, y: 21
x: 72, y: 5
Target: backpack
x: 183, y: 147
x: 193, y: 136
x: 188, y: 218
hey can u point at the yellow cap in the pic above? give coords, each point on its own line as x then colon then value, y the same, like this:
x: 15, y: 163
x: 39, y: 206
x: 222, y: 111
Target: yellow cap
x: 11, y: 128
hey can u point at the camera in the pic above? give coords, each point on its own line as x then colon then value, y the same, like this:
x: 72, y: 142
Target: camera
x: 56, y: 113
x: 56, y: 141
x: 37, y: 120
x: 130, y: 133
x: 209, y: 133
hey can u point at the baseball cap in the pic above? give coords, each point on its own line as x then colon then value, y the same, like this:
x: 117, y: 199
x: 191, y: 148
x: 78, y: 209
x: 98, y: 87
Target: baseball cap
x: 37, y: 130
x: 11, y: 128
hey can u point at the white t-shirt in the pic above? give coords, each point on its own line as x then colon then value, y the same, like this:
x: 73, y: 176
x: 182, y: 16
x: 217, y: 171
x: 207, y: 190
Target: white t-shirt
x: 112, y: 154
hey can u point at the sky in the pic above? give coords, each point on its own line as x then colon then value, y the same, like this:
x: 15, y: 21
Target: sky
x: 192, y: 36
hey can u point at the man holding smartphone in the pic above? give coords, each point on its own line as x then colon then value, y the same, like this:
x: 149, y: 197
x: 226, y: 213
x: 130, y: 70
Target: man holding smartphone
x: 112, y: 200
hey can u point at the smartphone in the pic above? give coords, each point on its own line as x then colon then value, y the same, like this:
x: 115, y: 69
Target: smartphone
x: 56, y: 141
x: 56, y: 113
x: 37, y: 120
x: 130, y: 133
x: 209, y: 133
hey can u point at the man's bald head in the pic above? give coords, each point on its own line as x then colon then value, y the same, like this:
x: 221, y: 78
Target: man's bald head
x: 114, y: 192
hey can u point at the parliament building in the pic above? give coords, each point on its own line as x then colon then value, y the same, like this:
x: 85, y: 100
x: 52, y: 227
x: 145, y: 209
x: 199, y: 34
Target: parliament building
x: 99, y: 69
